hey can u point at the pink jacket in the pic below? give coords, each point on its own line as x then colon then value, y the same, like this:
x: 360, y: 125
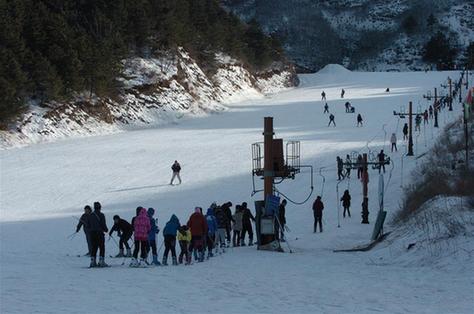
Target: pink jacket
x: 142, y: 226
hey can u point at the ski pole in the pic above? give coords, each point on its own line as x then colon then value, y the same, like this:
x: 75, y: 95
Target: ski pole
x: 71, y: 236
x: 112, y: 237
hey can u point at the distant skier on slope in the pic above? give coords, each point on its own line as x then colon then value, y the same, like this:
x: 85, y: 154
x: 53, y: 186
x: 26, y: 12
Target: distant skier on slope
x: 393, y: 141
x: 431, y: 112
x: 318, y: 207
x: 348, y: 166
x: 176, y: 168
x: 98, y: 226
x: 340, y: 168
x: 381, y: 157
x: 405, y: 132
x: 323, y: 96
x: 418, y: 123
x: 83, y: 222
x: 342, y: 93
x: 360, y: 168
x: 346, y: 203
x: 359, y: 120
x: 326, y: 108
x: 124, y: 231
x: 331, y: 120
x: 348, y: 107
x: 425, y: 117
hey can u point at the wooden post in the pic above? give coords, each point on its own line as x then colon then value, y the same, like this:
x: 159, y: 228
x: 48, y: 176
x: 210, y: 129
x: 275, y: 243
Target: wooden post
x: 365, y: 192
x: 410, y: 129
x: 268, y: 156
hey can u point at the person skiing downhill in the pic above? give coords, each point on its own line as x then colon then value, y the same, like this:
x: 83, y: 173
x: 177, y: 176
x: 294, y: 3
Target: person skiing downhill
x: 212, y: 229
x: 323, y: 96
x: 141, y: 227
x: 393, y: 141
x: 184, y: 239
x: 124, y: 231
x: 198, y: 226
x: 318, y: 207
x: 169, y: 233
x: 326, y: 108
x: 97, y: 228
x: 346, y: 203
x: 405, y: 132
x: 331, y: 120
x: 340, y: 168
x: 359, y: 120
x: 247, y: 218
x: 83, y: 222
x: 154, y: 230
x: 176, y: 168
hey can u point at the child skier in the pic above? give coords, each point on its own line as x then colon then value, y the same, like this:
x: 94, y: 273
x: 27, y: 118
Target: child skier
x: 169, y: 233
x: 141, y: 227
x: 124, y: 231
x: 184, y: 238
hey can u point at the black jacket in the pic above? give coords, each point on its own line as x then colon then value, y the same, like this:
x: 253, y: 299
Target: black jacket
x: 247, y: 216
x: 96, y: 222
x: 122, y: 227
x: 176, y: 167
x: 226, y: 208
x: 83, y: 222
x: 346, y: 200
x: 281, y: 214
x: 221, y: 217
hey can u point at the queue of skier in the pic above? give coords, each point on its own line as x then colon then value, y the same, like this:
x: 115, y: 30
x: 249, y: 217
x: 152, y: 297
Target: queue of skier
x: 211, y: 233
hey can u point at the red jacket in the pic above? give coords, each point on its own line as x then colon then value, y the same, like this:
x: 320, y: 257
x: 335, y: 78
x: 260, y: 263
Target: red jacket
x: 318, y: 207
x: 198, y: 225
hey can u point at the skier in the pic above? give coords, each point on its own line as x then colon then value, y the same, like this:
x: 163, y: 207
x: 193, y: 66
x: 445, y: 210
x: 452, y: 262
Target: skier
x: 154, y: 230
x: 431, y: 112
x: 124, y: 231
x: 212, y: 229
x: 381, y: 157
x: 282, y: 219
x: 348, y: 107
x: 346, y: 203
x: 222, y: 223
x: 226, y: 208
x: 405, y: 132
x: 318, y: 207
x: 169, y: 233
x: 326, y: 108
x: 323, y: 96
x: 387, y: 90
x: 331, y: 119
x: 425, y: 117
x: 360, y: 167
x: 176, y: 167
x: 198, y: 226
x: 417, y: 122
x: 340, y: 168
x: 359, y: 119
x: 237, y: 226
x: 348, y: 166
x: 83, y: 222
x: 141, y: 227
x: 184, y: 238
x: 393, y: 140
x: 246, y: 224
x: 342, y: 93
x: 97, y: 228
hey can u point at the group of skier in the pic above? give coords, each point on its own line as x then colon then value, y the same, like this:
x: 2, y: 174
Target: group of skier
x: 348, y: 106
x: 211, y: 232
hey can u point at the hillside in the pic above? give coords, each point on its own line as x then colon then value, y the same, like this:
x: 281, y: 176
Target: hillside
x: 361, y: 34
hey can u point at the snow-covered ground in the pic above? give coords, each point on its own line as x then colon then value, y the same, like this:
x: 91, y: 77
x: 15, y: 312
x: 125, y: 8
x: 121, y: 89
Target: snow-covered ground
x: 43, y: 186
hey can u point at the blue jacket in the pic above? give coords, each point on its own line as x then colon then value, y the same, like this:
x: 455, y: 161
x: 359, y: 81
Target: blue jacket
x: 154, y: 228
x: 172, y: 226
x: 211, y: 221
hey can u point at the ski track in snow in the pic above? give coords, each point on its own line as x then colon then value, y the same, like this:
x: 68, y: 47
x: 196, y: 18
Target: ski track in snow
x: 43, y: 186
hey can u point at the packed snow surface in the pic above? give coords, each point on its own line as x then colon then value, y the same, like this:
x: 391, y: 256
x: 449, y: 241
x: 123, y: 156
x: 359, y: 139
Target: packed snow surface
x: 43, y: 187
x: 333, y: 69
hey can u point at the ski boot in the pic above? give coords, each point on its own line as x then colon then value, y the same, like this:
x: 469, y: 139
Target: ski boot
x: 242, y: 243
x: 120, y: 254
x: 102, y: 262
x: 129, y: 253
x: 143, y: 262
x: 175, y: 262
x: 134, y: 262
x: 164, y: 262
x: 188, y: 260
x: 201, y: 257
x: 93, y: 262
x: 155, y: 261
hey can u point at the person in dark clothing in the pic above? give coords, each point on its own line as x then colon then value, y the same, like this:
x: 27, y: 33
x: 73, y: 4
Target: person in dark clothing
x: 326, y: 108
x: 430, y: 112
x: 359, y: 120
x: 425, y: 117
x: 360, y: 167
x: 318, y: 207
x: 169, y: 233
x: 176, y: 167
x: 348, y: 107
x: 340, y: 168
x: 405, y: 132
x: 151, y: 244
x: 381, y: 157
x: 222, y: 223
x: 418, y: 123
x: 124, y: 231
x: 348, y: 166
x: 97, y: 226
x: 342, y: 93
x: 83, y: 222
x: 198, y: 225
x: 282, y: 219
x: 346, y: 203
x: 247, y: 218
x: 323, y: 96
x: 227, y: 211
x: 331, y: 120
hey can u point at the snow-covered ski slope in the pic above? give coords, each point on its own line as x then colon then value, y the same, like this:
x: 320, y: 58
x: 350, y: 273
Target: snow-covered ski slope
x: 44, y: 186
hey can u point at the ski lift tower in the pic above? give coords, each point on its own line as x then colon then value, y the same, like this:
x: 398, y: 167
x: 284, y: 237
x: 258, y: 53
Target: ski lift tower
x: 277, y: 165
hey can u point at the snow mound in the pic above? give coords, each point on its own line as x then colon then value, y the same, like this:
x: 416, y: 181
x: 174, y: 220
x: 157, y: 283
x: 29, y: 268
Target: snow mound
x: 333, y: 69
